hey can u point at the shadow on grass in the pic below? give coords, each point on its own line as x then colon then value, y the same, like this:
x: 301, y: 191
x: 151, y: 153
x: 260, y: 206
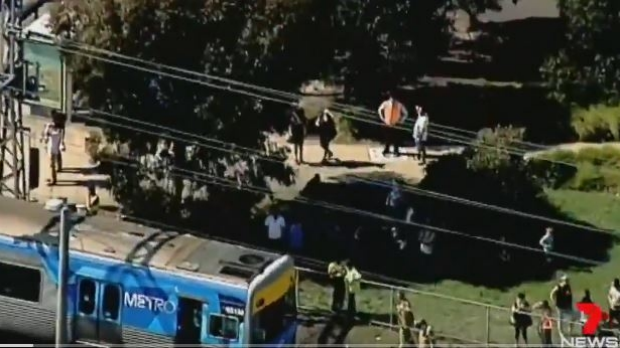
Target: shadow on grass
x: 455, y: 257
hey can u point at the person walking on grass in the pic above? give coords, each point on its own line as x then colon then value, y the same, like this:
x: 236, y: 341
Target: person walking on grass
x: 326, y: 126
x: 547, y: 242
x: 298, y: 132
x: 393, y: 114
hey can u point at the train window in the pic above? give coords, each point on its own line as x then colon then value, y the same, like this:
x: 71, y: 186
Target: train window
x: 88, y: 293
x: 222, y: 326
x: 111, y: 302
x: 20, y: 282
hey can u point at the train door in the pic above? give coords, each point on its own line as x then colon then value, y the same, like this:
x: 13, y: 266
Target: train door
x: 189, y: 321
x: 98, y: 317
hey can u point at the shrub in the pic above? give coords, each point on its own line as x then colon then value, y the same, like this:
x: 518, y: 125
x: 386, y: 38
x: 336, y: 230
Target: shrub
x: 597, y: 123
x: 589, y: 169
x: 496, y: 177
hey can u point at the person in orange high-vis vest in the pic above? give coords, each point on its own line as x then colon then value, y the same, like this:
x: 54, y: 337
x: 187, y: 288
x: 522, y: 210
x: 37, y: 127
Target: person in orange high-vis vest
x: 392, y: 113
x: 546, y: 323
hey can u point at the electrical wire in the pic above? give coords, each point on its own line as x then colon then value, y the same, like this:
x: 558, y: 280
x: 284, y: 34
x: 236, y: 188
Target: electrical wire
x: 236, y: 149
x: 342, y: 108
x: 212, y: 179
x: 292, y: 96
x: 346, y: 113
x: 376, y: 279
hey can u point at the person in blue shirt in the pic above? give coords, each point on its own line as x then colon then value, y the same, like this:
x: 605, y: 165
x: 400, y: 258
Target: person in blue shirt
x: 296, y: 235
x: 394, y: 201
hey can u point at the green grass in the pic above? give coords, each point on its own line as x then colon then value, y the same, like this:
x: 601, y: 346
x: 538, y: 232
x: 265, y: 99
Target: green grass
x: 468, y: 321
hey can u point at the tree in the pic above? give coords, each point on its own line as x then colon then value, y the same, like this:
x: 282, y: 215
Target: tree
x: 491, y: 172
x: 587, y: 68
x: 275, y: 43
x: 241, y: 40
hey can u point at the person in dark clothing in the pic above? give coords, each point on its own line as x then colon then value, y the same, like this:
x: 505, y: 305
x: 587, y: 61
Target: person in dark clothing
x: 521, y: 318
x: 326, y: 126
x: 298, y: 133
x: 562, y: 296
x: 336, y: 272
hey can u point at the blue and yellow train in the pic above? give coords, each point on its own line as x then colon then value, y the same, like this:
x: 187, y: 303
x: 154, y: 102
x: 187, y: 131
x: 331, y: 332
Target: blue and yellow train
x: 134, y: 285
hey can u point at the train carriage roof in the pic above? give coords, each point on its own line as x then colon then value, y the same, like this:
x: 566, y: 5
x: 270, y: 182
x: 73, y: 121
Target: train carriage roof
x: 132, y: 243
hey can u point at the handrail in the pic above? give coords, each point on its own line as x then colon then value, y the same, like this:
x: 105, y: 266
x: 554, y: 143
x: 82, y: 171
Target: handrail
x: 446, y: 297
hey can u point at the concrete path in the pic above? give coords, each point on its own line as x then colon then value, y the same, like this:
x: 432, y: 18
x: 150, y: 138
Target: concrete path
x: 72, y: 181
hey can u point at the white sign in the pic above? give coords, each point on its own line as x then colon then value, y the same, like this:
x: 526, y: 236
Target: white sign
x: 591, y: 342
x: 153, y: 304
x: 230, y: 310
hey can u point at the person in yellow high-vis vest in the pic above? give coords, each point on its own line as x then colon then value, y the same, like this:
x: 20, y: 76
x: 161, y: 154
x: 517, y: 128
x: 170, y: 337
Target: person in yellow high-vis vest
x: 392, y: 113
x: 353, y: 280
x: 336, y: 272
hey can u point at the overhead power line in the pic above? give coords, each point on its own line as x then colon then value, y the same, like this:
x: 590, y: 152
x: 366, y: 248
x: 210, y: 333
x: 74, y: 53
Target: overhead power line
x: 292, y: 97
x: 345, y: 113
x: 219, y: 145
x: 211, y: 179
x: 219, y: 181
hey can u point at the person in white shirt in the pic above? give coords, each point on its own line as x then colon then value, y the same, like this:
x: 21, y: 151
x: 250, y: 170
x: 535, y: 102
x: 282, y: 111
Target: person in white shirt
x: 392, y: 113
x: 546, y: 242
x: 614, y: 303
x: 275, y: 224
x: 420, y: 133
x: 54, y: 139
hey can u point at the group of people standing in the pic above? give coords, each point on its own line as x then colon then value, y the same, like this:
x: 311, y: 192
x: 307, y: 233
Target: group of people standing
x: 326, y: 128
x: 346, y: 281
x: 561, y: 297
x: 392, y: 114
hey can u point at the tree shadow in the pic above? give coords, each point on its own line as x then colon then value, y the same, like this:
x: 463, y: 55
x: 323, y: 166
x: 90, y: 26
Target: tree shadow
x: 346, y: 164
x: 455, y: 257
x: 472, y: 108
x: 504, y: 51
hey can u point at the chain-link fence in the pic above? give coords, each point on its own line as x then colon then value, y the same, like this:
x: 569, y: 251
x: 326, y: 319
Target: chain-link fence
x: 455, y: 319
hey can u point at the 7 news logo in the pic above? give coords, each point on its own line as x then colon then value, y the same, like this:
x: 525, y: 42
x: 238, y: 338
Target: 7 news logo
x: 596, y: 316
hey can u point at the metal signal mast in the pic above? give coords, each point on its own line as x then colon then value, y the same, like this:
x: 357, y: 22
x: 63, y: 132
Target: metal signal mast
x: 13, y: 147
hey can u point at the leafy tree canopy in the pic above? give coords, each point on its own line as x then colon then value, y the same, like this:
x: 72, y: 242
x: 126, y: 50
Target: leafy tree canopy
x: 275, y: 43
x: 587, y: 69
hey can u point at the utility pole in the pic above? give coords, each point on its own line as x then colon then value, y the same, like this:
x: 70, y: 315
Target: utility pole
x: 12, y: 146
x: 63, y: 278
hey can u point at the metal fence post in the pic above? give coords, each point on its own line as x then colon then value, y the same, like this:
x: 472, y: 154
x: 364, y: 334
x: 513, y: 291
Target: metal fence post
x: 391, y: 307
x: 488, y: 319
x: 297, y: 288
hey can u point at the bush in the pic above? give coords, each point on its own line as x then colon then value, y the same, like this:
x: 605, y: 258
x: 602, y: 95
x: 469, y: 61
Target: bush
x: 597, y: 123
x: 496, y: 177
x: 589, y: 169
